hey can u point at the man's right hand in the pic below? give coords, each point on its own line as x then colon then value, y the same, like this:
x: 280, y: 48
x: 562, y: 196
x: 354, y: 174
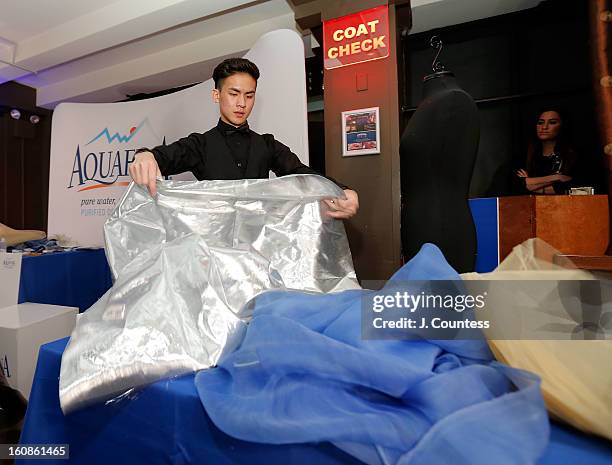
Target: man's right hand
x: 144, y: 171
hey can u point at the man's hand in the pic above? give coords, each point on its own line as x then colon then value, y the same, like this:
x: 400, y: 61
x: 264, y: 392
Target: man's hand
x: 144, y: 171
x: 343, y: 209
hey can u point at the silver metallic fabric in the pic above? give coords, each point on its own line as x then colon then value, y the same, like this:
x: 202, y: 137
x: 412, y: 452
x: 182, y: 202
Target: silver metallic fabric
x: 185, y: 266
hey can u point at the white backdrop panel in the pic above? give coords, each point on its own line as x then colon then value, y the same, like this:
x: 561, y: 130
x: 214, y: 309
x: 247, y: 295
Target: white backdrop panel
x: 93, y: 143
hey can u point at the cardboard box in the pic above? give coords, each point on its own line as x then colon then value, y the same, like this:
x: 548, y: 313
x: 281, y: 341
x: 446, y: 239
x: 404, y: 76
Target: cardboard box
x: 23, y: 329
x: 10, y: 276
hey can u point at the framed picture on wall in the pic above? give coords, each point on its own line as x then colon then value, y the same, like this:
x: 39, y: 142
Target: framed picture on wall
x: 360, y: 132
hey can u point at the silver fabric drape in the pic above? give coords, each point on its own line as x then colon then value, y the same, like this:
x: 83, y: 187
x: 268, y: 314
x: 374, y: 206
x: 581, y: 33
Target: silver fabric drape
x: 185, y: 264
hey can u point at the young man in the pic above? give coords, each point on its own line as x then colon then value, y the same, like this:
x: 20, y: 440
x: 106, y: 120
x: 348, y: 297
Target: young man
x: 230, y: 150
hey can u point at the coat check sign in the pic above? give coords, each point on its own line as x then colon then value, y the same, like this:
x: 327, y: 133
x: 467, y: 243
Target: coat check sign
x: 356, y: 38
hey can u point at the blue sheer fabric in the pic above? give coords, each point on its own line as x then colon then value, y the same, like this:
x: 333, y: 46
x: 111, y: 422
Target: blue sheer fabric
x: 304, y: 374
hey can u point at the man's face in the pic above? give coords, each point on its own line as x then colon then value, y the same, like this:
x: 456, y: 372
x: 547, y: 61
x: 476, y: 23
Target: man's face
x: 236, y: 98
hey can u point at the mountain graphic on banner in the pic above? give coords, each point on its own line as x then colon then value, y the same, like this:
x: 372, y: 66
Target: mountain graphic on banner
x: 123, y: 138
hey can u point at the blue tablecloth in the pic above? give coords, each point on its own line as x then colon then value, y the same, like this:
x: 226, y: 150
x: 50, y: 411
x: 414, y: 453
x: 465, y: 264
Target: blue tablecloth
x: 484, y: 213
x: 75, y: 279
x: 166, y: 423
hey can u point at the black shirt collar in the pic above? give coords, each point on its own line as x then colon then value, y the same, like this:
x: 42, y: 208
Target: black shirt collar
x: 228, y: 129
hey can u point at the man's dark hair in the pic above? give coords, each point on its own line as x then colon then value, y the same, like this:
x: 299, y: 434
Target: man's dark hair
x: 231, y: 66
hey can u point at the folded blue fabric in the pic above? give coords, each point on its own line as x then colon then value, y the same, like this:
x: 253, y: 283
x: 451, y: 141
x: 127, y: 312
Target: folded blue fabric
x: 37, y: 245
x: 304, y: 374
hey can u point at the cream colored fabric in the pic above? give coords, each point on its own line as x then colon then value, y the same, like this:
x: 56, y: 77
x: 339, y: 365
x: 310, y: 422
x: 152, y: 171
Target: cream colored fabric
x: 576, y: 375
x: 14, y: 236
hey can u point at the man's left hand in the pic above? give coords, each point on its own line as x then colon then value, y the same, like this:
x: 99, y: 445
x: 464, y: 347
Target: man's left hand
x: 343, y: 209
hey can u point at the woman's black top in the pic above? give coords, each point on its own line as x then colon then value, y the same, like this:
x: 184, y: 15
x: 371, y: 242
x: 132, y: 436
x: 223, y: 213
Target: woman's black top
x: 553, y: 164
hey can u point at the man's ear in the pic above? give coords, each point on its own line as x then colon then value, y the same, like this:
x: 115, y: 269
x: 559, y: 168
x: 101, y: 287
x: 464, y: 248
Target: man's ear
x: 215, y: 95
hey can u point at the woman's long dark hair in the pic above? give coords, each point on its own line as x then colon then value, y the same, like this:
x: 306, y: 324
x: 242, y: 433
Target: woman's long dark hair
x: 563, y: 146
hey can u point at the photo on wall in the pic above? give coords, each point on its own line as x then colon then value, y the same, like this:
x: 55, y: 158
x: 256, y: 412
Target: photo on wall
x: 360, y: 132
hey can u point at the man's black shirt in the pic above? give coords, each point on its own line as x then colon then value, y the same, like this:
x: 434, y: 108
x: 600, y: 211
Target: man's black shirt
x: 227, y: 152
x: 238, y: 140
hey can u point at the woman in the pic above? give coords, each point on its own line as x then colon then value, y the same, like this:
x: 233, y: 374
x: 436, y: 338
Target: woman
x: 550, y: 159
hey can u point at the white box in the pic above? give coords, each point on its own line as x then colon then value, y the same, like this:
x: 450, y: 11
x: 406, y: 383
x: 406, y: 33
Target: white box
x: 23, y: 329
x: 10, y: 275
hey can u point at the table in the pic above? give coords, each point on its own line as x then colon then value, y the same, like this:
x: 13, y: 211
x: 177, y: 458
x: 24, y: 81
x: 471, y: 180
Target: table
x: 74, y: 279
x: 166, y: 423
x: 572, y: 224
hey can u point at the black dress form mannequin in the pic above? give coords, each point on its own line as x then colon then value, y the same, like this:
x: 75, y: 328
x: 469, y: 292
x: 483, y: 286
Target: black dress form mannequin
x: 437, y: 155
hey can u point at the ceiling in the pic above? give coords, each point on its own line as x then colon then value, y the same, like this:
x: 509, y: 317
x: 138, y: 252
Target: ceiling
x: 105, y: 50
